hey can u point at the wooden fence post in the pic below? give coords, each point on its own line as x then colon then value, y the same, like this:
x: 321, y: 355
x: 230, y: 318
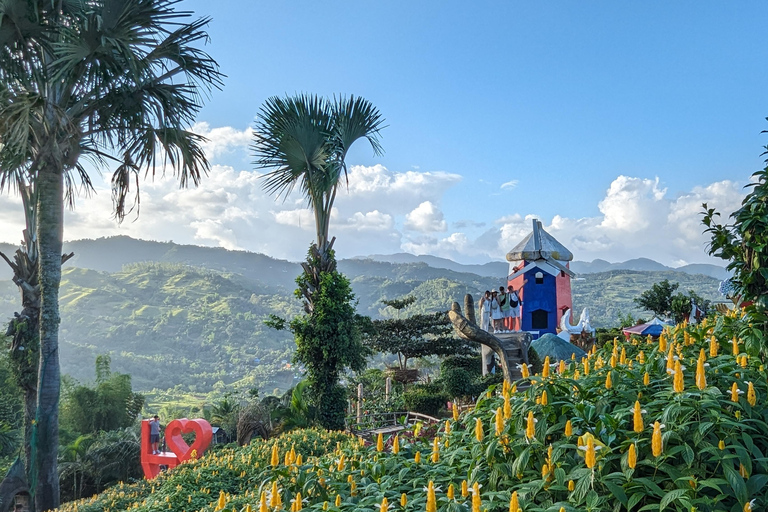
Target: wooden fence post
x: 359, y: 402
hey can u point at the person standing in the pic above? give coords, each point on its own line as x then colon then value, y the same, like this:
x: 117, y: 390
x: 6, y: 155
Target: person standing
x: 154, y: 434
x: 516, y: 322
x: 485, y: 311
x: 496, y: 316
x: 505, y: 308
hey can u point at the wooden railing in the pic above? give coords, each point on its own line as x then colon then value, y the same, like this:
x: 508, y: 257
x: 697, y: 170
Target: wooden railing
x: 386, y: 422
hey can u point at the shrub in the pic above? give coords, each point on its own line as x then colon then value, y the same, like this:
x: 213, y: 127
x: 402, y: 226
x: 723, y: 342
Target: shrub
x: 425, y: 398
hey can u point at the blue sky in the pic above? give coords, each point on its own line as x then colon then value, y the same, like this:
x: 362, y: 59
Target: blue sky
x: 599, y: 116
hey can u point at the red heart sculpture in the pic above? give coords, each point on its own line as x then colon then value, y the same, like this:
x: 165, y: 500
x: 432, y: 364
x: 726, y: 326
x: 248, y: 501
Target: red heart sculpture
x: 174, y: 430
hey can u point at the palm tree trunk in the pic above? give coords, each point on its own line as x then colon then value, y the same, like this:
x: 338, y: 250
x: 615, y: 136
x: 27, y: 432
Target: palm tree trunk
x: 46, y: 433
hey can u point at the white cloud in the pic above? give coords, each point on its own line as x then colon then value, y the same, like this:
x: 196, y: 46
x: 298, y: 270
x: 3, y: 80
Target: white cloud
x: 509, y: 185
x: 387, y: 211
x: 222, y: 140
x: 425, y: 218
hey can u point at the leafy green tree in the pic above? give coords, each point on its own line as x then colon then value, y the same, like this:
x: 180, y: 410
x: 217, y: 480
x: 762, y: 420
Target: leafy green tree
x: 418, y: 335
x: 225, y: 413
x: 682, y: 304
x: 296, y: 411
x: 114, y: 80
x: 304, y: 140
x: 658, y: 299
x: 110, y: 405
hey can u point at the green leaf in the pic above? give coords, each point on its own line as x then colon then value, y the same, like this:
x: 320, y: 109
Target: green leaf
x: 670, y: 497
x: 737, y: 484
x: 617, y: 491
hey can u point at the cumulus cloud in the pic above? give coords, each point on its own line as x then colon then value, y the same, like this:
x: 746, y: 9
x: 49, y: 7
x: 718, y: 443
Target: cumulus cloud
x: 385, y: 211
x: 425, y: 218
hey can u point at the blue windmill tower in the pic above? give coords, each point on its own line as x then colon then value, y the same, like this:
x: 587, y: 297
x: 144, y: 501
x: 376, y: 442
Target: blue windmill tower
x: 539, y: 273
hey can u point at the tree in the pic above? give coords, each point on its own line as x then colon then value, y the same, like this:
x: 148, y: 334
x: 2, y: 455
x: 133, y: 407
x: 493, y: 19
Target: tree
x: 418, y: 335
x: 658, y: 299
x: 304, y: 140
x: 113, y: 80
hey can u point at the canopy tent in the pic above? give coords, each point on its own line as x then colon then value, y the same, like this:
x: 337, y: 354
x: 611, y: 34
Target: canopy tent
x: 654, y: 328
x: 556, y: 348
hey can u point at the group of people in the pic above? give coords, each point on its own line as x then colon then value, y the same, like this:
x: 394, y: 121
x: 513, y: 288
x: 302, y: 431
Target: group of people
x: 500, y: 310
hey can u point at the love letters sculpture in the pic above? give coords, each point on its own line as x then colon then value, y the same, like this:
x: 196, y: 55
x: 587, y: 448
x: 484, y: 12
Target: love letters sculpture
x: 180, y: 450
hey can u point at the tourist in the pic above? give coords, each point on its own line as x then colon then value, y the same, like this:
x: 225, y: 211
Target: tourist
x: 485, y: 311
x: 496, y: 315
x: 154, y: 434
x: 516, y: 322
x: 505, y: 309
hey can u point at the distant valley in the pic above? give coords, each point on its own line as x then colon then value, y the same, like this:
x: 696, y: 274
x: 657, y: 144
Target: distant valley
x: 188, y: 316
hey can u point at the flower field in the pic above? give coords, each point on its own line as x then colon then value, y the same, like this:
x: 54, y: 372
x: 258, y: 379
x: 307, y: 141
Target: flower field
x: 676, y: 424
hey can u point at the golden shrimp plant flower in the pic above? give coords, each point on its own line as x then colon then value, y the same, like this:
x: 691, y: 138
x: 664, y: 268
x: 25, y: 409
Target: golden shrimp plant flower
x: 514, y: 502
x: 499, y: 421
x: 431, y: 499
x: 568, y: 428
x: 656, y: 442
x: 435, y: 450
x: 646, y: 379
x: 608, y: 381
x: 530, y: 426
x: 380, y: 442
x: 544, y: 398
x: 713, y: 347
x: 701, y: 377
x: 632, y: 456
x: 396, y: 444
x: 678, y: 383
x: 751, y: 396
x: 735, y: 392
x: 545, y: 368
x: 384, y: 505
x: 478, y: 429
x: 637, y: 418
x: 476, y: 501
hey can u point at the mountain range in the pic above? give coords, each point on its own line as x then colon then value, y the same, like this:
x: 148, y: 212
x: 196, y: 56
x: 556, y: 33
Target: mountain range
x: 192, y: 317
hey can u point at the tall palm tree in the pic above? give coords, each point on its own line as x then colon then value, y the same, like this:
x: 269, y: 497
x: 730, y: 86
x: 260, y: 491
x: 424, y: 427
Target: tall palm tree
x: 304, y: 140
x: 25, y: 353
x: 114, y: 80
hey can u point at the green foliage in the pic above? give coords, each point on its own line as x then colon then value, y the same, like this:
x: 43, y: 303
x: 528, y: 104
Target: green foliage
x: 658, y: 299
x: 399, y: 304
x: 328, y: 342
x: 535, y: 361
x: 110, y: 405
x: 691, y: 470
x: 425, y: 398
x: 418, y: 335
x: 744, y: 243
x: 681, y: 305
x: 298, y: 412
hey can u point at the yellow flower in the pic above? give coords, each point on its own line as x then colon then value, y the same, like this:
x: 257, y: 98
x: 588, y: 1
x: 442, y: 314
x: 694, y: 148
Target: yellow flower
x: 545, y: 368
x: 545, y: 471
x: 671, y: 357
x: 325, y: 506
x: 576, y: 375
x: 297, y: 502
x: 274, y: 499
x: 632, y: 457
x: 476, y: 502
x: 713, y: 346
x: 507, y: 408
x: 590, y: 453
x: 646, y: 379
x: 431, y: 500
x: 450, y: 492
x: 561, y: 366
x: 608, y: 381
x: 380, y: 443
x: 721, y: 445
x: 544, y: 398
x: 499, y: 421
x: 571, y: 485
x: 338, y: 500
x: 340, y: 465
x: 701, y: 377
x: 222, y: 501
x: 524, y: 370
x: 735, y: 343
x: 623, y: 358
x: 637, y: 418
x: 478, y: 429
x: 464, y: 490
x: 744, y: 360
x: 662, y: 342
x: 735, y: 392
x: 613, y: 361
x: 447, y: 427
x: 455, y: 410
x: 641, y: 357
x: 586, y: 366
x: 396, y: 444
x: 748, y: 506
x: 403, y: 500
x: 743, y: 471
x: 417, y: 457
x: 751, y: 397
x: 275, y: 460
x: 568, y: 428
x: 656, y: 444
x: 530, y: 428
x: 435, y: 450
x: 679, y: 384
x: 514, y: 503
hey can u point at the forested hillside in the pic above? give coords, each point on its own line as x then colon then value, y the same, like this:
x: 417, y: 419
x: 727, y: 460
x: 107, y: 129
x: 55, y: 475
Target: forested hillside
x: 195, y: 318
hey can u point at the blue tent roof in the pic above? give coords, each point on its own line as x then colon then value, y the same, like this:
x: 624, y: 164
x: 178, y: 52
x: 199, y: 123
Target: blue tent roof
x: 654, y: 328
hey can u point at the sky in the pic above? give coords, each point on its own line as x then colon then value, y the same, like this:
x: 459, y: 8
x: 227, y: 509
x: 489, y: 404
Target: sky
x: 612, y: 122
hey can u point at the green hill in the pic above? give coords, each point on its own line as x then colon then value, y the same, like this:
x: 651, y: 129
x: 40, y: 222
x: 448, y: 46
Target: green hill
x: 195, y: 319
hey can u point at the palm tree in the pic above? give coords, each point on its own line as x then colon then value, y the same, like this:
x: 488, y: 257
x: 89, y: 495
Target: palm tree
x: 113, y: 80
x: 304, y: 141
x: 25, y: 353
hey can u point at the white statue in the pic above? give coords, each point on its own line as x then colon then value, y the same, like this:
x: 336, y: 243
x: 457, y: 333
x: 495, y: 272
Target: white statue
x: 566, y: 329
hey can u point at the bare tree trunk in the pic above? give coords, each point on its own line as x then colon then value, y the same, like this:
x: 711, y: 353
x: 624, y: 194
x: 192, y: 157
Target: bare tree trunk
x: 46, y: 431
